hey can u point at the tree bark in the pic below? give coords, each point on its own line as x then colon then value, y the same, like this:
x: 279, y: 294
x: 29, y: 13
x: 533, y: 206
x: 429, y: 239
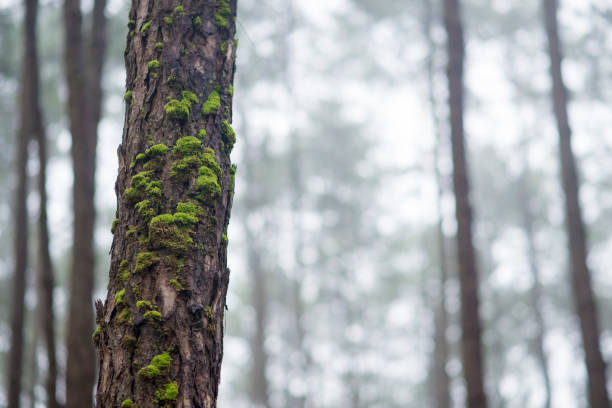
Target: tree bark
x: 24, y: 132
x: 83, y: 71
x: 468, y: 275
x: 581, y: 276
x: 160, y: 330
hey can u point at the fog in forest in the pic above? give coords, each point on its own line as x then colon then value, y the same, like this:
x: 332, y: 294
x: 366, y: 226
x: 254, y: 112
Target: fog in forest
x: 352, y: 282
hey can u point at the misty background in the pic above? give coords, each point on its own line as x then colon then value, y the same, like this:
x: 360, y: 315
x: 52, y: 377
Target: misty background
x: 341, y: 113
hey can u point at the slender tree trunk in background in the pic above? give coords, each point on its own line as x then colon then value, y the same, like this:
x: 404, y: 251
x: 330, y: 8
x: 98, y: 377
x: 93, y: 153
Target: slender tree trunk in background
x: 160, y: 330
x: 45, y: 281
x: 535, y: 294
x: 84, y: 100
x: 259, y: 391
x: 581, y: 277
x: 15, y: 362
x: 470, y: 320
x: 441, y: 386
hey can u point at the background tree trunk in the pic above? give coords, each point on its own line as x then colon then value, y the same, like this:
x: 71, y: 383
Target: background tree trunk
x: 581, y: 277
x: 160, y: 330
x: 28, y: 90
x: 84, y: 101
x: 45, y: 267
x: 441, y: 380
x: 468, y: 275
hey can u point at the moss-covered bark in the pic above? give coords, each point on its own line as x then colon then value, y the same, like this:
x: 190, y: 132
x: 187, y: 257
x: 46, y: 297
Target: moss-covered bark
x: 160, y: 330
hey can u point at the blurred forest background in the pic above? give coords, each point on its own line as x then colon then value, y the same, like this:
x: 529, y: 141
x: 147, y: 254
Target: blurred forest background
x: 344, y: 289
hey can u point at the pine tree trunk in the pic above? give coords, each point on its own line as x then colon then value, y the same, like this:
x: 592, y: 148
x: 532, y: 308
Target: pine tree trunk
x: 581, y: 277
x: 45, y: 267
x: 84, y: 100
x: 535, y: 294
x: 15, y: 363
x: 259, y: 391
x: 468, y: 276
x: 441, y: 380
x: 160, y: 330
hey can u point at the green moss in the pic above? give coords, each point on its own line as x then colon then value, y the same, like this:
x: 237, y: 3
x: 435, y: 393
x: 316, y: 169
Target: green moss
x: 96, y: 333
x: 190, y: 208
x: 144, y: 305
x: 176, y: 284
x: 159, y: 46
x: 128, y: 403
x: 145, y: 260
x: 179, y: 110
x: 146, y: 26
x: 168, y: 20
x: 226, y: 111
x: 166, y: 232
x: 120, y: 298
x: 179, y: 10
x: 152, y: 315
x: 208, y: 160
x: 125, y: 316
x: 131, y: 24
x: 127, y: 96
x: 148, y: 372
x: 207, y: 184
x: 131, y: 195
x: 184, y: 219
x: 176, y: 109
x: 153, y: 64
x: 212, y: 104
x: 228, y: 133
x: 182, y: 169
x: 230, y: 89
x: 124, y: 271
x: 162, y: 361
x: 197, y: 20
x: 114, y: 225
x: 187, y: 146
x: 190, y: 96
x: 145, y: 209
x: 159, y: 149
x: 223, y: 47
x: 202, y: 134
x: 133, y: 230
x: 208, y: 312
x: 224, y: 239
x: 168, y: 394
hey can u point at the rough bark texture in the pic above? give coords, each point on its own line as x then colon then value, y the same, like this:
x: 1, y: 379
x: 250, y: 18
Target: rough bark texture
x: 441, y: 380
x: 160, y: 330
x: 468, y: 275
x: 83, y: 70
x: 581, y: 277
x: 24, y: 133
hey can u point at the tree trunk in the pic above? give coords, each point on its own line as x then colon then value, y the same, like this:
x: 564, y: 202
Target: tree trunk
x: 581, y: 277
x: 535, y: 294
x: 15, y: 362
x: 441, y: 381
x: 259, y: 391
x: 84, y: 101
x: 160, y: 330
x: 468, y: 276
x: 45, y: 267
